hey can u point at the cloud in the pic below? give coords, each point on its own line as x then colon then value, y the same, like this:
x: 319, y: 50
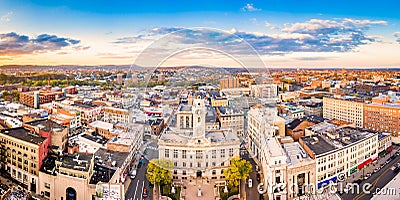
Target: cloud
x: 270, y: 26
x: 397, y: 36
x: 249, y: 7
x: 6, y: 17
x: 315, y: 35
x: 15, y: 44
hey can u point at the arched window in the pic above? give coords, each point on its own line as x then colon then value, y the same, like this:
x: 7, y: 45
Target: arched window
x: 70, y: 194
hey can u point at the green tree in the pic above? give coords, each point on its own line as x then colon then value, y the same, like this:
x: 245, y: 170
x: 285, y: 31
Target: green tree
x: 238, y: 170
x: 159, y: 171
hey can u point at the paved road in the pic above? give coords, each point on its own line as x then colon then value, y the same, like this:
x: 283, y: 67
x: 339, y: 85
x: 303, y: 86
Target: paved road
x: 251, y: 193
x: 135, y: 190
x: 377, y: 180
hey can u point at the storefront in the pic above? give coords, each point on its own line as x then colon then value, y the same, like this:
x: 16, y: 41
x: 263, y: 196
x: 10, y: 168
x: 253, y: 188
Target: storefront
x: 354, y: 169
x: 360, y: 166
x: 327, y: 182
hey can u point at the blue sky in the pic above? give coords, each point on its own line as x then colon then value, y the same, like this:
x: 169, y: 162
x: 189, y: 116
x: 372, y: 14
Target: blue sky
x: 287, y: 33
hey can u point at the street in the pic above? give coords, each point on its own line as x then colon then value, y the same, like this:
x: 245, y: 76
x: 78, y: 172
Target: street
x: 251, y: 193
x: 135, y: 190
x: 377, y: 180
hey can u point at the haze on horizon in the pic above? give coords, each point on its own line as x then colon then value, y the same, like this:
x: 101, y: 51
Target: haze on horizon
x: 284, y: 33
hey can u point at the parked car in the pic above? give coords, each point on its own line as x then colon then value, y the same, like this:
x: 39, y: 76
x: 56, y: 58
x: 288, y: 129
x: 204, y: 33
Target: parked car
x: 139, y: 165
x: 258, y: 177
x: 250, y: 182
x: 133, y: 173
x: 367, y: 176
x: 377, y: 169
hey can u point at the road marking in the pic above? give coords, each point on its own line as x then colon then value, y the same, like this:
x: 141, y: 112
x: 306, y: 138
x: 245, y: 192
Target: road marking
x: 359, y: 196
x: 141, y: 194
x: 137, y: 183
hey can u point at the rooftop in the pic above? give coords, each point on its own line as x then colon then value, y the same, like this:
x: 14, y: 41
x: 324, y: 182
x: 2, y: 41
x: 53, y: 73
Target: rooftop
x: 84, y: 105
x: 23, y: 134
x: 77, y: 161
x: 102, y: 125
x: 110, y: 158
x: 229, y: 110
x: 295, y: 153
x: 46, y: 125
x: 185, y: 108
x: 327, y: 138
x: 95, y: 138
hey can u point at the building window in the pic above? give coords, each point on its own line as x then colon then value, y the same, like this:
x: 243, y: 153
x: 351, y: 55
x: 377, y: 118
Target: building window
x: 175, y: 153
x: 175, y: 171
x: 199, y: 154
x: 222, y: 152
x: 47, y: 185
x: 213, y: 153
x: 184, y: 154
x: 184, y: 164
x: 175, y: 164
x: 184, y: 172
x: 231, y: 152
x: 166, y: 153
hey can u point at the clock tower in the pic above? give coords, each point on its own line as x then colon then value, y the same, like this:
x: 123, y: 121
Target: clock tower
x: 199, y: 117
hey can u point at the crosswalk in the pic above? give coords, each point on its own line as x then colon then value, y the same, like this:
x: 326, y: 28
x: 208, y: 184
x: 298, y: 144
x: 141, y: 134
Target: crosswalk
x: 152, y: 148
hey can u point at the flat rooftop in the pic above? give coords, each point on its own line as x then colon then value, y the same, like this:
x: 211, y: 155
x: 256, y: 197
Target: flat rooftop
x: 319, y: 147
x: 185, y: 108
x: 274, y: 147
x: 46, y: 125
x: 229, y: 110
x: 96, y: 138
x: 102, y: 125
x: 23, y: 134
x: 77, y: 161
x: 84, y: 105
x: 110, y: 158
x: 295, y: 153
x: 329, y: 139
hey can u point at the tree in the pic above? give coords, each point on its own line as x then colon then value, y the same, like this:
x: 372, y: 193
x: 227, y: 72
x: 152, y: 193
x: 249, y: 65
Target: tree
x: 238, y: 170
x: 159, y: 171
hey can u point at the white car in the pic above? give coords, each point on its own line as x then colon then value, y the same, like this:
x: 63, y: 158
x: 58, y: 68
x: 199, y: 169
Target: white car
x: 250, y: 183
x: 133, y: 174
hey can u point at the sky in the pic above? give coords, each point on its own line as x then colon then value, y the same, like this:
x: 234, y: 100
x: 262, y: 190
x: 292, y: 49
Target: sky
x: 280, y: 33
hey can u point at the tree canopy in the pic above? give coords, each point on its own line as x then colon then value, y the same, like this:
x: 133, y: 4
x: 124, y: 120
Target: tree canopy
x: 159, y: 171
x: 238, y: 170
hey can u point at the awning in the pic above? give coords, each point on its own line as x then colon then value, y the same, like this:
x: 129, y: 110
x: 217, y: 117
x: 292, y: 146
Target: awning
x: 364, y: 163
x: 327, y: 182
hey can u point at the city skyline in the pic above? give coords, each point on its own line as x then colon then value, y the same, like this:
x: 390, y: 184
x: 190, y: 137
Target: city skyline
x: 289, y: 34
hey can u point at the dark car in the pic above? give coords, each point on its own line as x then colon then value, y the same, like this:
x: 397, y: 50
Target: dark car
x: 358, y: 181
x: 258, y: 177
x: 151, y: 185
x: 139, y: 165
x: 145, y: 193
